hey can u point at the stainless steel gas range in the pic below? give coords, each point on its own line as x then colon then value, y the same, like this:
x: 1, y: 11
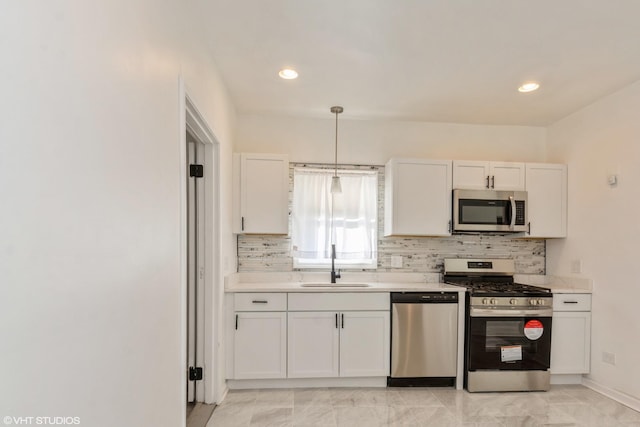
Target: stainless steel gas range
x: 508, y: 327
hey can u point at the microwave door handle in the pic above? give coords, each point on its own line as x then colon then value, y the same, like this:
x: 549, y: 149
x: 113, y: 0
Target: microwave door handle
x: 513, y: 212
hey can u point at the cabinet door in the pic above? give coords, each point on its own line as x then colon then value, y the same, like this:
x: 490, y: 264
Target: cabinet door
x: 507, y: 176
x: 417, y: 197
x: 364, y: 344
x: 571, y: 342
x: 260, y: 345
x: 264, y: 194
x: 471, y: 175
x: 547, y: 199
x: 313, y: 346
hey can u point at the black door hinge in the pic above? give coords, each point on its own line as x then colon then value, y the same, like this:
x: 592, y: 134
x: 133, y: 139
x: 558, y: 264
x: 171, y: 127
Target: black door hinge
x: 195, y: 374
x: 196, y: 171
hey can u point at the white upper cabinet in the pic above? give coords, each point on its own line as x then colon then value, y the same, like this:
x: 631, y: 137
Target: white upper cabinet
x: 417, y: 197
x: 547, y: 200
x: 261, y: 194
x: 479, y: 175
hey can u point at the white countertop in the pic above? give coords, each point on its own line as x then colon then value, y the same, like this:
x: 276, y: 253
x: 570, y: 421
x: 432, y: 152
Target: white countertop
x: 558, y: 284
x: 380, y: 282
x: 341, y: 287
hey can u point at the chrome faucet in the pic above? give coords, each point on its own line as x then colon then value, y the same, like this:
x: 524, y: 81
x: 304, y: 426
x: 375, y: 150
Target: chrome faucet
x: 334, y: 275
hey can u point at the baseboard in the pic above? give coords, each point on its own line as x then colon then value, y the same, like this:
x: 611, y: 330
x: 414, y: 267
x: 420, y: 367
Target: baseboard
x: 223, y: 395
x: 307, y: 382
x: 566, y: 379
x: 619, y: 397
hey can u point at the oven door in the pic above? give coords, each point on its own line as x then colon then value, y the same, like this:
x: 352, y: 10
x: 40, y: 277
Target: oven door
x: 509, y: 343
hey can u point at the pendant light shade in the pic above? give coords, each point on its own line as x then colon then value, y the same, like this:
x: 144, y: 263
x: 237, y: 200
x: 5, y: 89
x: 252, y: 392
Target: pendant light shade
x: 336, y: 187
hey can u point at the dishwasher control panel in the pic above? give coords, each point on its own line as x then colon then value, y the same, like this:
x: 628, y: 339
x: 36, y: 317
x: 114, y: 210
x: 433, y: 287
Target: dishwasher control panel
x: 424, y: 297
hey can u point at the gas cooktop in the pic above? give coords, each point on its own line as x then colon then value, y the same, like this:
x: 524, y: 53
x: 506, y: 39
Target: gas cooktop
x: 499, y: 289
x: 488, y: 277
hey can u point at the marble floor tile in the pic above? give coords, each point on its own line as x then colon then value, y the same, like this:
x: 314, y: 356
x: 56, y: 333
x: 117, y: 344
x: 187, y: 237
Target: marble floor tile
x: 314, y: 416
x: 312, y: 397
x: 434, y: 416
x: 280, y: 398
x: 271, y: 417
x: 231, y: 415
x: 420, y: 407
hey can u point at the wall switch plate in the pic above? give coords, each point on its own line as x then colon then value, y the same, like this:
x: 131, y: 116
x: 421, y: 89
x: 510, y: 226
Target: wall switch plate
x: 396, y: 261
x: 576, y: 266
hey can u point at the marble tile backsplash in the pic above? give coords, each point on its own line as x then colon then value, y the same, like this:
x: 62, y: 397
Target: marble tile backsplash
x: 269, y: 253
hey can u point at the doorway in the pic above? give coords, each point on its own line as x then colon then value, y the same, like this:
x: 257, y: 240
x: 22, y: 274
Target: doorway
x: 196, y: 270
x: 201, y: 278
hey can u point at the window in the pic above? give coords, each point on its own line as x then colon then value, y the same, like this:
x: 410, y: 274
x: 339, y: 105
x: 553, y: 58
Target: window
x: 353, y: 227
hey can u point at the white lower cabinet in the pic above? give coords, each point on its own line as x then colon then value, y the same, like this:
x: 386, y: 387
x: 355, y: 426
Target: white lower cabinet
x: 259, y: 328
x: 364, y: 344
x: 338, y: 335
x: 338, y: 344
x: 313, y: 349
x: 308, y: 335
x: 571, y: 334
x: 260, y: 345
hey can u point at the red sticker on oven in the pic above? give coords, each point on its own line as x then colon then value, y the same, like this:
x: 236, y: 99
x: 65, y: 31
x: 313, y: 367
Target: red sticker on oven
x: 533, y: 329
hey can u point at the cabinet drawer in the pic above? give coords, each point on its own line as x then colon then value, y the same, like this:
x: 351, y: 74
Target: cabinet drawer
x: 571, y: 302
x: 260, y: 302
x: 333, y: 301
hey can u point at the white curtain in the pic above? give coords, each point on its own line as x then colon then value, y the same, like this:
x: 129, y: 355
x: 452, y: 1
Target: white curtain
x: 352, y: 227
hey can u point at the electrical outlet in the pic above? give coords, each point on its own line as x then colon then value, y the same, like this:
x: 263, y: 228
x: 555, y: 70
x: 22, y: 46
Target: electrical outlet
x: 576, y: 266
x: 609, y: 358
x: 396, y: 261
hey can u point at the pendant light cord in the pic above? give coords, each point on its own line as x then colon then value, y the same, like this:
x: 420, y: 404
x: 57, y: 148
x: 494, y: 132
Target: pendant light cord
x: 336, y: 154
x: 337, y: 110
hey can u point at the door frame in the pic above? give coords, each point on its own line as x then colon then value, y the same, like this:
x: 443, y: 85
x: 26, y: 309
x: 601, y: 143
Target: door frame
x: 191, y: 119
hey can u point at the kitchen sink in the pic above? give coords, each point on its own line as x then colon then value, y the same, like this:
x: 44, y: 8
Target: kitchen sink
x: 335, y: 285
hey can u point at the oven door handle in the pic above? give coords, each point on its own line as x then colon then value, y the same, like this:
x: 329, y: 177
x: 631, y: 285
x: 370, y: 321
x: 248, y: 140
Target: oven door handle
x: 492, y: 312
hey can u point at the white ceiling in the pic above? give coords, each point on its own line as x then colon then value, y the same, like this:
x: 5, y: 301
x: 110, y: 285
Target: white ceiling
x: 428, y: 60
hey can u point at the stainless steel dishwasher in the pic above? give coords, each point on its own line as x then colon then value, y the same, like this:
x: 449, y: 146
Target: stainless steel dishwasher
x: 424, y: 338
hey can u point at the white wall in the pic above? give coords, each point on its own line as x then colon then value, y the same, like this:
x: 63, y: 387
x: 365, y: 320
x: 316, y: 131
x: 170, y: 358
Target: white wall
x: 374, y: 142
x: 604, y: 226
x: 90, y: 301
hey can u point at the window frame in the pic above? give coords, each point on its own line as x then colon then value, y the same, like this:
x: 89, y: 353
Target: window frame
x: 342, y: 263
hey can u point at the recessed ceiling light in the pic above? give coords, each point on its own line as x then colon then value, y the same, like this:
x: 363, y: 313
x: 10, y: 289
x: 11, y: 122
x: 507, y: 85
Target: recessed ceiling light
x: 528, y: 87
x: 288, y: 73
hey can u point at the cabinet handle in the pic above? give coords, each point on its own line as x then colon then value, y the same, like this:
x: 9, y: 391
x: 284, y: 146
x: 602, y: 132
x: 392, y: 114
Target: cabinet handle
x: 336, y: 320
x: 569, y: 302
x: 242, y: 223
x: 342, y: 320
x: 259, y: 301
x: 450, y: 230
x: 493, y: 182
x: 487, y: 181
x: 236, y: 322
x: 529, y: 228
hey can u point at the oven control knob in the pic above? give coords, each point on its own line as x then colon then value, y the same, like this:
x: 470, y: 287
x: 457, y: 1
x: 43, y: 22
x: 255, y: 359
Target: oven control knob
x: 513, y: 301
x: 485, y: 301
x: 533, y: 301
x: 494, y: 301
x: 540, y: 302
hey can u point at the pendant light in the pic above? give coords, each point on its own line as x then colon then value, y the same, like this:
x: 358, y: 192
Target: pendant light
x: 335, y: 181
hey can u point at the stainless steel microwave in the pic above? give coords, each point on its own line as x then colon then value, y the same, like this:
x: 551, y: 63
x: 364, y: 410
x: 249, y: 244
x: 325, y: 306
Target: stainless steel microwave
x: 488, y: 210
